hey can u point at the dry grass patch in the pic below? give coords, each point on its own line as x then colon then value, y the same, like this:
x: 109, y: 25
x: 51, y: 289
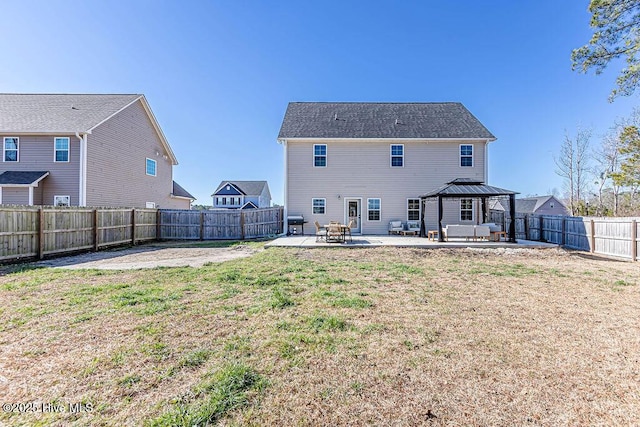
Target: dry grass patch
x: 329, y: 337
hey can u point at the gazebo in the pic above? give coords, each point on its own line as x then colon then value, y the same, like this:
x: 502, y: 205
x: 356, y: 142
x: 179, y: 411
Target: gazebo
x: 469, y: 189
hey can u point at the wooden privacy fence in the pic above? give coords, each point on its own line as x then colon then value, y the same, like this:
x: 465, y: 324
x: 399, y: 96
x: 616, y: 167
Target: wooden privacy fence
x: 27, y: 232
x: 618, y: 237
x: 220, y: 224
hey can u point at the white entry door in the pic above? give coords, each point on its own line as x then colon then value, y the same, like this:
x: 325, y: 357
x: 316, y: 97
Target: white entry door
x: 353, y: 213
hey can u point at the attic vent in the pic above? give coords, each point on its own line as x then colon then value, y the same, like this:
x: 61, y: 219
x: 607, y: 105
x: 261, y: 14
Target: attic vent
x: 228, y: 187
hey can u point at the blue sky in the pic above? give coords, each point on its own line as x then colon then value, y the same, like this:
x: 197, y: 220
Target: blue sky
x: 219, y: 74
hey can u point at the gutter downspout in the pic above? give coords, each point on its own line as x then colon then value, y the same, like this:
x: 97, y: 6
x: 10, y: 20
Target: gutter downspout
x: 82, y: 187
x: 486, y: 162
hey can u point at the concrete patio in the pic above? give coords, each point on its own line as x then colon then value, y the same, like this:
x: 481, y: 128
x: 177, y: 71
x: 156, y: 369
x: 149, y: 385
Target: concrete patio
x: 399, y: 241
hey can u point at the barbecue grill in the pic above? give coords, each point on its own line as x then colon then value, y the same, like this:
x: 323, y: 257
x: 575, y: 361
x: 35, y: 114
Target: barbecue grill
x: 293, y: 221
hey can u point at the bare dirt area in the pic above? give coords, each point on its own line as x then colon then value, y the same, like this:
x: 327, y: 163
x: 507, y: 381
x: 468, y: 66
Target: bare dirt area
x: 151, y: 256
x: 326, y: 337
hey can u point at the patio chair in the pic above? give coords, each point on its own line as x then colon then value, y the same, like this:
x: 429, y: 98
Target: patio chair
x: 413, y: 226
x: 348, y: 230
x: 395, y: 227
x: 321, y: 232
x: 334, y: 232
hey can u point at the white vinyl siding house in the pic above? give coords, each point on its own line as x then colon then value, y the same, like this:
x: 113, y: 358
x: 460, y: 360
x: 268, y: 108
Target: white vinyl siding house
x: 242, y: 195
x: 381, y: 175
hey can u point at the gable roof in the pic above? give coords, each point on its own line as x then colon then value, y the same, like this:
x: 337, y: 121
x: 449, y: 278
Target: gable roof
x: 67, y: 113
x: 528, y: 205
x: 249, y: 188
x: 433, y: 120
x: 179, y: 191
x: 532, y: 204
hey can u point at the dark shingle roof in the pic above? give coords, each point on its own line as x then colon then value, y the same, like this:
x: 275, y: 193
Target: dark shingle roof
x: 178, y: 191
x: 21, y: 177
x: 63, y: 113
x: 249, y: 188
x: 449, y: 120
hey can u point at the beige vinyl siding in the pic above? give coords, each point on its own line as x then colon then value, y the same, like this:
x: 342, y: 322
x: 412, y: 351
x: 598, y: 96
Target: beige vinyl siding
x: 361, y: 169
x: 116, y: 163
x: 37, y: 154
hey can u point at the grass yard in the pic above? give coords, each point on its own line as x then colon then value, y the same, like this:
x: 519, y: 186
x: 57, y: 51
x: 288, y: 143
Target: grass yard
x: 378, y: 336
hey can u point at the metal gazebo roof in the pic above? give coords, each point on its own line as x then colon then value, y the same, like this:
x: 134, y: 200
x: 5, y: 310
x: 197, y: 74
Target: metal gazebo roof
x: 467, y: 187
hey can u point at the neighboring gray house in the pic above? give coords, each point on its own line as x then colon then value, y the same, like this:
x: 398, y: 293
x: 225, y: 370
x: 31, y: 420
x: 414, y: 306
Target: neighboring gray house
x: 371, y: 162
x: 541, y: 205
x: 242, y: 195
x: 85, y: 150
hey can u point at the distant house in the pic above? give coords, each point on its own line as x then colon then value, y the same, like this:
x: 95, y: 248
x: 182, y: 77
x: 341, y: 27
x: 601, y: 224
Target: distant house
x: 540, y: 205
x: 242, y: 195
x: 370, y: 163
x: 85, y: 150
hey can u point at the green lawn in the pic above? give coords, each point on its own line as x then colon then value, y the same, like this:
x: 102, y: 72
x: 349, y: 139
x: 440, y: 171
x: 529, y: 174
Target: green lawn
x: 330, y: 336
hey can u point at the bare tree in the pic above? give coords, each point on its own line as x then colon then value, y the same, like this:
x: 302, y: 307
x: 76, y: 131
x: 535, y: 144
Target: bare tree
x: 573, y: 165
x: 607, y: 158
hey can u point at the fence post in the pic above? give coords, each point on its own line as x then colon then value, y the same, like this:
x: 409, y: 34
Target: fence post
x: 634, y: 240
x: 133, y: 226
x: 541, y: 229
x: 95, y: 230
x: 158, y: 224
x: 593, y: 236
x: 563, y: 229
x: 40, y: 232
x: 241, y: 225
x: 202, y: 225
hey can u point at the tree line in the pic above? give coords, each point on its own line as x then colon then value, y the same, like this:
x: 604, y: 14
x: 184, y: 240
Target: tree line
x: 604, y: 179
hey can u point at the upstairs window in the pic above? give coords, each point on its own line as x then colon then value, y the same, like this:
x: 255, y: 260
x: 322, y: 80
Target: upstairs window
x: 320, y: 155
x: 466, y: 155
x: 151, y: 167
x: 397, y: 155
x: 466, y: 210
x: 61, y: 149
x: 11, y: 145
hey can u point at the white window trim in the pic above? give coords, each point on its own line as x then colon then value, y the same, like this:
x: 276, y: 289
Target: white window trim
x: 150, y: 205
x: 473, y: 163
x: 326, y: 155
x: 391, y: 156
x: 419, y: 208
x: 55, y: 203
x: 4, y: 149
x: 473, y: 210
x: 155, y: 168
x: 324, y: 207
x: 68, y: 150
x: 379, y: 209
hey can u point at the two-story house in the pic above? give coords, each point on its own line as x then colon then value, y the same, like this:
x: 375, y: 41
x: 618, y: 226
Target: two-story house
x: 370, y: 162
x: 85, y: 150
x: 242, y: 195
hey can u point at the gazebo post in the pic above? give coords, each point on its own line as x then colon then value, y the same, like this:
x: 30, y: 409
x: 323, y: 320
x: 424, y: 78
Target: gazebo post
x: 440, y: 210
x: 423, y: 203
x: 512, y: 212
x: 484, y: 210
